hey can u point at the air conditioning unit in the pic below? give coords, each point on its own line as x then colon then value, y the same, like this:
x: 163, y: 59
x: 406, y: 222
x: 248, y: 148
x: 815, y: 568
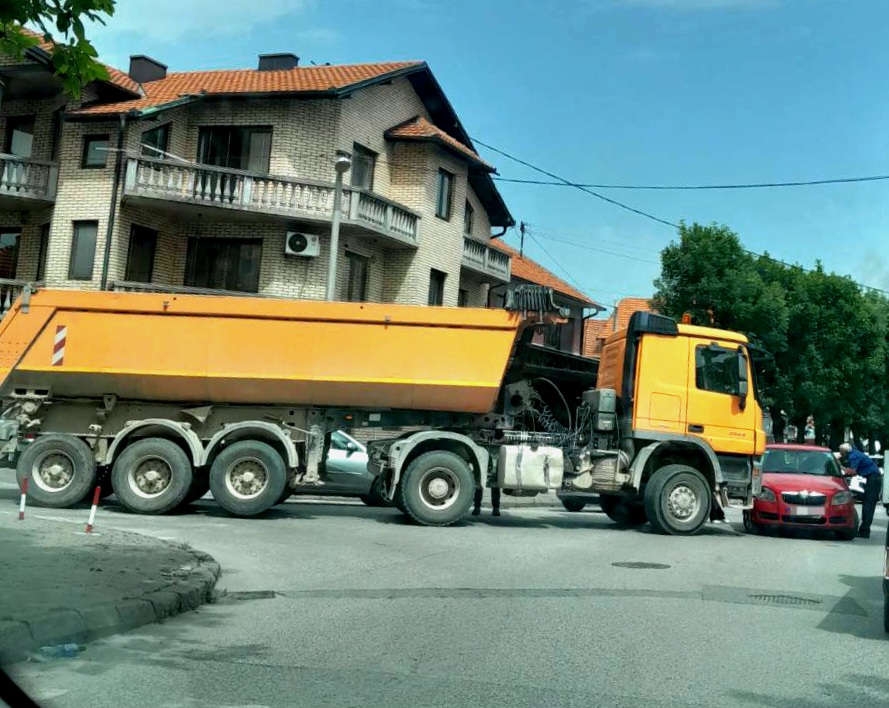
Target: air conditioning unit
x: 299, y: 244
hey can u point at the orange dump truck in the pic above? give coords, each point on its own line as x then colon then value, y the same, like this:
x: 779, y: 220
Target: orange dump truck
x: 160, y: 397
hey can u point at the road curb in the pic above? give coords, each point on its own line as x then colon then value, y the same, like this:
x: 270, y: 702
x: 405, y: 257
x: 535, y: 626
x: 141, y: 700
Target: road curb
x: 22, y: 638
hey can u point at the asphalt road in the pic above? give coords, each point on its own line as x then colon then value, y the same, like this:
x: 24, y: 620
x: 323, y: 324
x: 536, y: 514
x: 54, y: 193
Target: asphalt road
x: 335, y: 604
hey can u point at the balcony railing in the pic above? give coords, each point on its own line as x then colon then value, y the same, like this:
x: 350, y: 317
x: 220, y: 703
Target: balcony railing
x: 11, y: 288
x: 127, y: 286
x: 260, y: 193
x: 484, y: 259
x: 27, y: 178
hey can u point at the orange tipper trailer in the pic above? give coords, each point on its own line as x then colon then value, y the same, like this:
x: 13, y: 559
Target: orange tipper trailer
x: 162, y: 396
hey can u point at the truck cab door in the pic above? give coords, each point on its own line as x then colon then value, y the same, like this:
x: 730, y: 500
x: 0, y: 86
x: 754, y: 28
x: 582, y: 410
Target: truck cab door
x: 721, y: 405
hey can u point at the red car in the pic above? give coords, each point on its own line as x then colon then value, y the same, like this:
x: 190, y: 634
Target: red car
x: 803, y: 486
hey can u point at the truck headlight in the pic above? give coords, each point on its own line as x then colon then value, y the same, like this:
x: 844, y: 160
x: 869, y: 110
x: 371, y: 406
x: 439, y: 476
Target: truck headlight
x: 841, y: 498
x: 767, y: 494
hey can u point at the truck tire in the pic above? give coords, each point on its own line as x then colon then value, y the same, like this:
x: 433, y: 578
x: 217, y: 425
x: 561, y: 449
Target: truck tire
x: 436, y: 489
x: 248, y: 478
x: 677, y: 500
x: 61, y: 469
x: 152, y: 476
x: 573, y: 504
x: 622, y: 512
x: 886, y: 614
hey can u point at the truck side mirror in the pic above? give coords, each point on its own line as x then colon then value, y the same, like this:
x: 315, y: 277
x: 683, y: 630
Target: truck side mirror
x: 743, y: 385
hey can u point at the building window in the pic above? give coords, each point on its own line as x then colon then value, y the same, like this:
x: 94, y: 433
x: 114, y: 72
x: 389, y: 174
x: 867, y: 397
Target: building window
x: 468, y: 214
x: 436, y: 287
x: 154, y: 141
x: 364, y: 164
x: 223, y: 263
x: 19, y: 136
x: 444, y: 195
x: 9, y: 251
x: 462, y: 297
x: 355, y: 283
x: 237, y: 147
x: 716, y: 369
x: 140, y: 258
x: 83, y: 250
x: 95, y: 151
x: 41, y: 254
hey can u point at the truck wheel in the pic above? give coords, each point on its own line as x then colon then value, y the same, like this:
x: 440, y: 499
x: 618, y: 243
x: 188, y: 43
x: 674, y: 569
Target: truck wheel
x: 248, y: 478
x: 622, y: 512
x: 677, y: 500
x: 886, y: 614
x: 61, y: 469
x: 436, y: 489
x: 152, y: 476
x: 573, y: 504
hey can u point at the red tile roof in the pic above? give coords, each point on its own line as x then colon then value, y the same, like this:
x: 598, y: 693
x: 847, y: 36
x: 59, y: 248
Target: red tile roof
x: 418, y: 128
x: 531, y: 271
x: 115, y: 76
x: 307, y: 79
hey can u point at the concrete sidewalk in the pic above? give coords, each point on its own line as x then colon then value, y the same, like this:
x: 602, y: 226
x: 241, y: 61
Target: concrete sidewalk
x: 60, y: 585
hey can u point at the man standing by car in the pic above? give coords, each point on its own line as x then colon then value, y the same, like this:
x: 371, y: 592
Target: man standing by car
x: 867, y: 468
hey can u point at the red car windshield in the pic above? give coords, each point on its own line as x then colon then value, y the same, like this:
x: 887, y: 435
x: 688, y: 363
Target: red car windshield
x: 801, y: 462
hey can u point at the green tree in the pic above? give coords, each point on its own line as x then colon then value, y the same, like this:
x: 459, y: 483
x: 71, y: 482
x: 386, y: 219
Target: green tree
x: 61, y: 22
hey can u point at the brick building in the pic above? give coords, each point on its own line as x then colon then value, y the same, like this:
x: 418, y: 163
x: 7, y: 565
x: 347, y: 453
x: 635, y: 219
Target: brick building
x: 224, y: 180
x: 597, y: 331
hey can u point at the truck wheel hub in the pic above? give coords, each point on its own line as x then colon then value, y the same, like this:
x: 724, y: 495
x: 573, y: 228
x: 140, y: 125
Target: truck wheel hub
x: 439, y: 488
x: 151, y: 477
x: 246, y: 478
x: 54, y: 472
x: 682, y: 502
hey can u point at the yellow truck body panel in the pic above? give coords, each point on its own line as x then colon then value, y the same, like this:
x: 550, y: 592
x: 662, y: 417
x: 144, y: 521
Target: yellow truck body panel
x: 242, y: 350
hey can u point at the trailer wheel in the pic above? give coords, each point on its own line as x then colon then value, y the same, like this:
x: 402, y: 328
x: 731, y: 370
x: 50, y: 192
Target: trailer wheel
x: 248, y: 478
x: 152, y: 476
x: 436, y: 489
x: 677, y: 500
x: 621, y: 512
x: 574, y: 504
x: 61, y: 469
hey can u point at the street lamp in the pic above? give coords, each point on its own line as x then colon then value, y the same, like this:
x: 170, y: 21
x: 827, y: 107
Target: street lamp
x: 342, y: 165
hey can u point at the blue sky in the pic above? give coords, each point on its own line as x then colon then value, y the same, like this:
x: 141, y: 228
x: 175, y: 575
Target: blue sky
x: 612, y: 91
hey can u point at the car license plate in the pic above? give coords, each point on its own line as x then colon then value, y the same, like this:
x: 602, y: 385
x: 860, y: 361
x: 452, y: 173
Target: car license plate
x: 808, y: 510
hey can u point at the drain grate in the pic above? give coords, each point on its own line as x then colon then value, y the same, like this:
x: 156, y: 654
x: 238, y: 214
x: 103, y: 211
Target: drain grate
x: 785, y: 599
x: 251, y: 595
x: 639, y: 565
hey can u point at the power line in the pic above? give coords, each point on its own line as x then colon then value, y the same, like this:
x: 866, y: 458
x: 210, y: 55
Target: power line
x: 556, y: 261
x: 752, y: 185
x: 581, y: 187
x: 587, y: 247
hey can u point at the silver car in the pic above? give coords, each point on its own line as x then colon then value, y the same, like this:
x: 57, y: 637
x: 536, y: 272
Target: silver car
x: 347, y: 474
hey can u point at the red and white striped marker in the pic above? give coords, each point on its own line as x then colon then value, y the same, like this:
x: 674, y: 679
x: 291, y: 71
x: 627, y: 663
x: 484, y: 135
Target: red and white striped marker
x: 24, y: 496
x: 58, y: 348
x: 89, y: 524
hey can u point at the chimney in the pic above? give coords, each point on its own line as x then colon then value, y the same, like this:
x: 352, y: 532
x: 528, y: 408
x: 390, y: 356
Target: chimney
x: 278, y: 62
x: 144, y: 69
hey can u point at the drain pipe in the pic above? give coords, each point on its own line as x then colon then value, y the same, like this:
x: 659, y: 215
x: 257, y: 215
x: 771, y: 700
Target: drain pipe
x: 596, y: 310
x: 118, y: 170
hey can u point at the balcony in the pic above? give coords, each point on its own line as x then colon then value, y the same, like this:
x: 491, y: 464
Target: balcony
x: 27, y: 183
x: 484, y: 259
x: 11, y: 288
x: 185, y: 187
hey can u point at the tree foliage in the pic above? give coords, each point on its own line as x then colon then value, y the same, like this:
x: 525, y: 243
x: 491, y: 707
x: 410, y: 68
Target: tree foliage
x: 61, y: 22
x: 829, y: 339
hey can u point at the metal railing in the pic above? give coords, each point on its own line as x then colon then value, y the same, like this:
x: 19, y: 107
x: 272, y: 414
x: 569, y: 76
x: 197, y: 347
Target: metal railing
x: 31, y: 179
x: 128, y: 286
x: 254, y: 191
x: 486, y: 259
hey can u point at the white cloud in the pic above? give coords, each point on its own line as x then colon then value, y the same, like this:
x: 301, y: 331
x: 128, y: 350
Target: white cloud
x: 174, y: 20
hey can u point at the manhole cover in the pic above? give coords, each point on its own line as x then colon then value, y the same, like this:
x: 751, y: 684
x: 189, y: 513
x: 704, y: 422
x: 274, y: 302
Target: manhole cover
x: 639, y: 565
x: 785, y: 599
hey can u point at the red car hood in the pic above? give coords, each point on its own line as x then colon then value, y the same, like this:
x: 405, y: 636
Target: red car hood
x: 785, y: 482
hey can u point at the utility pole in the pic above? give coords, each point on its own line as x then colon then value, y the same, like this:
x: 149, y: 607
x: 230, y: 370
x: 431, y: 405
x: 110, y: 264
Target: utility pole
x: 522, y: 239
x: 342, y: 165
